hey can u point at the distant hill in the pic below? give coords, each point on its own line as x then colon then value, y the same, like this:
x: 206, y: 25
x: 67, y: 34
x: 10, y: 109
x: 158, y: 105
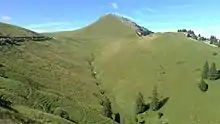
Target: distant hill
x: 12, y: 30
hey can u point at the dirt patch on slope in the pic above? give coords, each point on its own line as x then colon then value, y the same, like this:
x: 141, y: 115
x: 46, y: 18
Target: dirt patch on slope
x: 145, y: 41
x: 110, y: 50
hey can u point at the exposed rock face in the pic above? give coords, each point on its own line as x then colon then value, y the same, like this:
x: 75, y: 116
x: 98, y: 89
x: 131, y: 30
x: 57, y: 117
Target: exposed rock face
x: 140, y: 30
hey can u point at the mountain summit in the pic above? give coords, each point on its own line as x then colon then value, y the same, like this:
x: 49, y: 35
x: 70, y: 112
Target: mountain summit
x: 140, y: 30
x: 114, y: 26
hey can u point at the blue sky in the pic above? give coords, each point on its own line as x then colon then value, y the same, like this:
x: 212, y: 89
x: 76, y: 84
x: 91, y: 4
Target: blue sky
x: 157, y: 15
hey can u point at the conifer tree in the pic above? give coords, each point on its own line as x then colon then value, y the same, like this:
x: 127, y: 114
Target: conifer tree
x: 107, y: 108
x: 213, y: 73
x: 140, y: 105
x: 205, y: 73
x: 155, y: 103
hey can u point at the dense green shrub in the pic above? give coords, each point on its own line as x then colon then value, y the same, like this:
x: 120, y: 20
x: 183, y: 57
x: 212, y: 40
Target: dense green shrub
x: 203, y: 86
x: 140, y: 105
x: 107, y: 108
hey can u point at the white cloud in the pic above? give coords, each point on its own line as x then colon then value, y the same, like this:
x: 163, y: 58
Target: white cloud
x: 142, y: 12
x: 114, y: 5
x: 5, y: 18
x: 43, y: 30
x: 150, y: 10
x: 179, y: 6
x: 50, y: 24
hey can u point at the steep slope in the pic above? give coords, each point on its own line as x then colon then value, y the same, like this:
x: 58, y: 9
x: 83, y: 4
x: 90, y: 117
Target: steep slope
x: 48, y: 82
x: 140, y: 30
x: 12, y: 30
x: 170, y: 61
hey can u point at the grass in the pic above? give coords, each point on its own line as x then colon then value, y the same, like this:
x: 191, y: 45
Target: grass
x: 11, y: 30
x: 138, y: 67
x: 43, y: 76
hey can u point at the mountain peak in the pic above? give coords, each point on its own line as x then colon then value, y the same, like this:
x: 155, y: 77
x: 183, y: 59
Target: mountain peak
x: 113, y: 25
x: 140, y: 30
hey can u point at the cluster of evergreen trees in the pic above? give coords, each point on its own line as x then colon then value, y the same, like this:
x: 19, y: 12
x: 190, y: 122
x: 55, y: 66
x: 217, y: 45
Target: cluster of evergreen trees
x: 214, y: 41
x: 211, y: 73
x: 107, y: 111
x: 189, y: 33
x: 155, y: 103
x: 182, y: 30
x: 140, y: 105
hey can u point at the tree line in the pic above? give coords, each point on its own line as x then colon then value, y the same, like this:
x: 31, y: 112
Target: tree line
x: 208, y: 73
x: 141, y: 106
x: 189, y: 33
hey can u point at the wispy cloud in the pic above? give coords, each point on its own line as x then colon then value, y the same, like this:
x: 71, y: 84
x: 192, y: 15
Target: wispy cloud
x: 114, y: 5
x: 179, y: 6
x: 142, y: 12
x: 150, y: 10
x: 50, y: 24
x: 4, y: 18
x: 43, y: 30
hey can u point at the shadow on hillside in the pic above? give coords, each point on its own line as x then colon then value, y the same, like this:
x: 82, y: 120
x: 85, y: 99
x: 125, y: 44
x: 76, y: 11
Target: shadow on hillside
x: 6, y: 104
x: 146, y: 107
x: 218, y: 70
x: 163, y: 102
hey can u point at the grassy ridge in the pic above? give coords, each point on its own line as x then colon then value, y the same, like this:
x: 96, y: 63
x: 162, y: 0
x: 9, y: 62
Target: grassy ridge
x: 11, y: 30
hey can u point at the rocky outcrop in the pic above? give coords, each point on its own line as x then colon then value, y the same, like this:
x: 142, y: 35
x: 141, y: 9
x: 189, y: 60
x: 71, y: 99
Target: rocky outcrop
x: 140, y: 30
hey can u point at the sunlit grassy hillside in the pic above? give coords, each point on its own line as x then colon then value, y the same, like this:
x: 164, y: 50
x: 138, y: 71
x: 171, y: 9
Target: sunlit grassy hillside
x: 46, y: 79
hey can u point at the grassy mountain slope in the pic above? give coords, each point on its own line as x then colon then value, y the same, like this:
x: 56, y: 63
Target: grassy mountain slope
x: 126, y: 66
x: 11, y: 30
x: 168, y: 60
x: 41, y: 78
x: 50, y: 75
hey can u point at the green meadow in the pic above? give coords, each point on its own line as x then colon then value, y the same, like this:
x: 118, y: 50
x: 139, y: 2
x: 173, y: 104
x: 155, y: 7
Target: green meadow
x: 44, y: 79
